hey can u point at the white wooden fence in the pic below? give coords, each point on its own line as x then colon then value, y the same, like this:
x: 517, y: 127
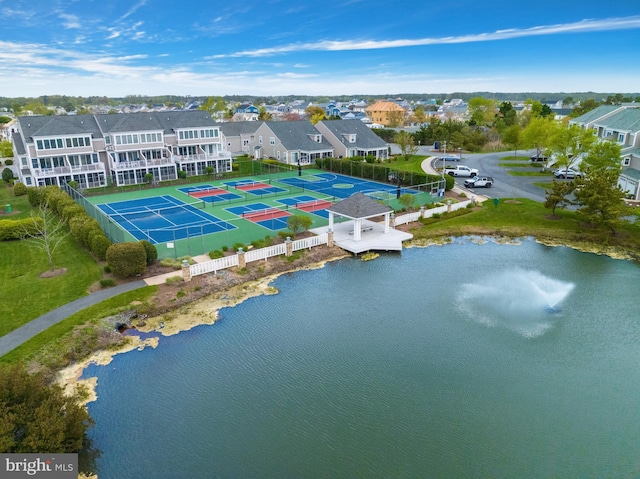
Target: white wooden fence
x: 427, y: 213
x: 257, y: 254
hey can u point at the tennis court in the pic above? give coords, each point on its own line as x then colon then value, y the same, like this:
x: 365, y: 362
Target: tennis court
x: 160, y: 219
x: 262, y: 214
x: 308, y: 204
x: 340, y: 186
x: 254, y: 187
x: 209, y: 193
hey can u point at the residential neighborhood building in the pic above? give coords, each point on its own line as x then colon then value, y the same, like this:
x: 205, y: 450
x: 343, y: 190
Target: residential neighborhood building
x: 619, y: 123
x: 386, y: 113
x: 90, y: 149
x: 291, y: 142
x: 238, y: 135
x: 351, y: 138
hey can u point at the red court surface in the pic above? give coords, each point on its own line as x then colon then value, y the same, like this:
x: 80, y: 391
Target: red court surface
x: 207, y: 193
x: 253, y: 186
x: 265, y: 215
x: 313, y: 205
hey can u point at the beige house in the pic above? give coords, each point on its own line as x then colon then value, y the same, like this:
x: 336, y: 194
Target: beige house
x: 387, y: 113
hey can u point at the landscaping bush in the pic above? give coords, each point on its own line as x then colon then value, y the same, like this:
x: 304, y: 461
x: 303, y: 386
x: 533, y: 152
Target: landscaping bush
x: 182, y: 174
x: 36, y: 196
x: 127, y: 259
x: 8, y: 162
x: 106, y: 283
x: 150, y: 250
x: 70, y: 210
x: 20, y: 189
x: 215, y: 254
x: 99, y: 246
x: 7, y: 175
x: 237, y: 246
x: 16, y: 229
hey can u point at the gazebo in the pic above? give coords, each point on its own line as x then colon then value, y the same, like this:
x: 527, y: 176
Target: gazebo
x: 359, y: 208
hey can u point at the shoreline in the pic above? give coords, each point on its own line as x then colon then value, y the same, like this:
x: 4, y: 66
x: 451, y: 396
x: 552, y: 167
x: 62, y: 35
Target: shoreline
x: 200, y: 312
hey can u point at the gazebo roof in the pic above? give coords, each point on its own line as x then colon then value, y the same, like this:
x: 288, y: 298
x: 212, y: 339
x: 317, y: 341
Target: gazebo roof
x: 359, y: 206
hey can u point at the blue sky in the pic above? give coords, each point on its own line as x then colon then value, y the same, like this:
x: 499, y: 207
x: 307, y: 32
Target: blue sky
x: 330, y: 47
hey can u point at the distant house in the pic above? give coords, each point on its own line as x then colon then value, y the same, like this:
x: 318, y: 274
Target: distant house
x: 619, y: 123
x: 351, y: 138
x: 238, y: 135
x: 291, y: 142
x: 246, y: 112
x: 386, y: 113
x: 88, y: 149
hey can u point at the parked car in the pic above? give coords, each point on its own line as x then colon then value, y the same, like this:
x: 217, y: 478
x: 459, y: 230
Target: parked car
x: 479, y: 182
x: 461, y: 170
x: 448, y: 158
x: 568, y: 173
x: 538, y: 157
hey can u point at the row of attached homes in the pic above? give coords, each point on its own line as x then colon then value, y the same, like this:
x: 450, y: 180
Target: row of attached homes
x: 620, y: 123
x: 124, y: 148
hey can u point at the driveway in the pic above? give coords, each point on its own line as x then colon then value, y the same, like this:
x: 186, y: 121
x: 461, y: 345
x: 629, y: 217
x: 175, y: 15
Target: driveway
x: 505, y: 185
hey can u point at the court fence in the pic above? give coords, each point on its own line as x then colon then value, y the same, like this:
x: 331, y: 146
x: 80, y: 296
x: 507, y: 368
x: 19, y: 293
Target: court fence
x: 241, y: 258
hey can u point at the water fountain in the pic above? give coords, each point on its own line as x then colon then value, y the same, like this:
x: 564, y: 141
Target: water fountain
x: 521, y: 300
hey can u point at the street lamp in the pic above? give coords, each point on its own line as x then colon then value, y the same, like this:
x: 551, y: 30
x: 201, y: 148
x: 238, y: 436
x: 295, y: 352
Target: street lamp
x: 444, y: 183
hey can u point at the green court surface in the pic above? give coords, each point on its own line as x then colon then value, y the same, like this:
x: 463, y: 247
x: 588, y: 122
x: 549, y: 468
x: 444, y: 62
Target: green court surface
x: 259, y: 192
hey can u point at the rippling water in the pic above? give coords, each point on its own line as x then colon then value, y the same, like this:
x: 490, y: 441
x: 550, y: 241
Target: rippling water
x: 464, y: 360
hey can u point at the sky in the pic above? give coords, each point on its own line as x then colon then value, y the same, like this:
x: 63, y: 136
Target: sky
x: 332, y: 47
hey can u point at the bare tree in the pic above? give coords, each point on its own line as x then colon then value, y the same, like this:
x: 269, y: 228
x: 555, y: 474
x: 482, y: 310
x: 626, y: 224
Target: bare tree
x: 47, y: 232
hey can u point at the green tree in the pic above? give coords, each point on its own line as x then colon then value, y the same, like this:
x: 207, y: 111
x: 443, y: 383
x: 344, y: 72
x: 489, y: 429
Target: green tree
x: 599, y: 196
x: 482, y: 111
x: 148, y: 178
x: 299, y: 223
x: 567, y: 145
x: 263, y: 115
x: 419, y: 114
x: 537, y: 133
x: 512, y: 136
x: 7, y: 175
x: 584, y: 107
x: 507, y: 115
x: 407, y: 201
x: 38, y: 417
x: 4, y: 119
x: 395, y: 118
x: 557, y: 195
x: 405, y: 141
x: 315, y: 113
x: 6, y: 149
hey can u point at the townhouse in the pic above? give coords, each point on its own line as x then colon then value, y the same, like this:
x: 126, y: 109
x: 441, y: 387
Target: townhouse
x: 119, y: 148
x: 619, y: 123
x: 351, y: 138
x: 386, y: 113
x: 291, y: 142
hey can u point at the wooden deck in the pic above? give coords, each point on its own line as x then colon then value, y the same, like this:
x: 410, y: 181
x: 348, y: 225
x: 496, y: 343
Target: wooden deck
x: 373, y: 237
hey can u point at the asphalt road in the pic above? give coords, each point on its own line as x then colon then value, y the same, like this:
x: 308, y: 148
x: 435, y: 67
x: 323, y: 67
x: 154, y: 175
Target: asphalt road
x: 505, y: 185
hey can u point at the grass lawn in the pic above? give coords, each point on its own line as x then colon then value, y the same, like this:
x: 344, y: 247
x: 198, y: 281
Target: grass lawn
x: 24, y: 295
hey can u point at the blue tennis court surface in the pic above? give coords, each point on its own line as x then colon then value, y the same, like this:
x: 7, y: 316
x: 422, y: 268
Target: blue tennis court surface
x: 209, y: 193
x: 160, y: 219
x: 341, y: 186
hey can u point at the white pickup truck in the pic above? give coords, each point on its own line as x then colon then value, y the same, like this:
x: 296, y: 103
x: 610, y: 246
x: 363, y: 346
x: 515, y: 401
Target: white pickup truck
x: 461, y: 170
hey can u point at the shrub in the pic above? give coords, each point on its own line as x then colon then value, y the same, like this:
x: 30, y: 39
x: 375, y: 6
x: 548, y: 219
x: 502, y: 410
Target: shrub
x: 71, y: 210
x: 182, y: 174
x: 7, y: 175
x: 107, y: 282
x: 20, y: 189
x: 107, y: 269
x: 225, y: 248
x: 73, y: 184
x: 16, y: 229
x: 173, y: 280
x: 8, y: 162
x: 127, y: 259
x: 237, y: 246
x: 99, y: 246
x: 150, y: 250
x: 216, y: 254
x: 36, y: 196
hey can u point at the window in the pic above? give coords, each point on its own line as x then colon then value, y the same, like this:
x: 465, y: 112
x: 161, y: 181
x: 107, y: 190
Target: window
x: 260, y: 139
x: 620, y: 137
x: 272, y: 141
x: 107, y: 140
x: 626, y: 161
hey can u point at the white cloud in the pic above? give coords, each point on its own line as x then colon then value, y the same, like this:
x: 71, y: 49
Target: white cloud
x: 609, y: 24
x: 70, y: 21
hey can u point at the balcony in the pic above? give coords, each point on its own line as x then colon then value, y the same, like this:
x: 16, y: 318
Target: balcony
x: 67, y: 170
x: 129, y: 165
x: 201, y: 157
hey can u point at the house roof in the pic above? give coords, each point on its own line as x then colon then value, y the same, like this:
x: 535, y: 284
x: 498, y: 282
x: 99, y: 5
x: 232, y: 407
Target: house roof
x: 40, y: 126
x: 168, y: 121
x: 631, y: 173
x: 365, y: 138
x: 624, y: 120
x: 595, y: 114
x: 358, y: 206
x: 237, y: 128
x: 381, y: 105
x: 18, y: 143
x: 296, y: 135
